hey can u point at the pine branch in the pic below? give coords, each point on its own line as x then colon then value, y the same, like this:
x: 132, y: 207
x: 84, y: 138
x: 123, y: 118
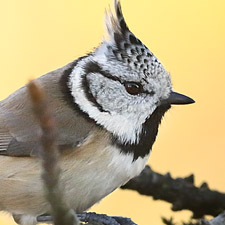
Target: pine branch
x: 181, y: 192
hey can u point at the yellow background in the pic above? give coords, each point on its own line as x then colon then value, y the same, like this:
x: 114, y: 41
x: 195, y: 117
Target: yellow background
x: 38, y: 36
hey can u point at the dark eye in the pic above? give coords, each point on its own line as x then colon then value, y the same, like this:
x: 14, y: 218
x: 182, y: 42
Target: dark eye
x: 133, y: 88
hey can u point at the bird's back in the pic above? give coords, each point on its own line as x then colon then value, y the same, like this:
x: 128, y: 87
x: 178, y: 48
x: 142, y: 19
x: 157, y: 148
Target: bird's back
x: 19, y: 129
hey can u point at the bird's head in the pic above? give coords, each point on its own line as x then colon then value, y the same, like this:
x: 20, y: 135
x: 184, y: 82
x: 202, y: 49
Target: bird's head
x: 122, y: 84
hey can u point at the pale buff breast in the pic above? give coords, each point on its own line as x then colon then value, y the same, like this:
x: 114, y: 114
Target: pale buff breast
x: 89, y: 173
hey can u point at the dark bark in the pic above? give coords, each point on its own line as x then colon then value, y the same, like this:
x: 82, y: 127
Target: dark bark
x: 181, y: 192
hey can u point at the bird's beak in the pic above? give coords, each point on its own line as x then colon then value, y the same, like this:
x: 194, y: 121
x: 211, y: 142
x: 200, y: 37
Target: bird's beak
x: 179, y: 99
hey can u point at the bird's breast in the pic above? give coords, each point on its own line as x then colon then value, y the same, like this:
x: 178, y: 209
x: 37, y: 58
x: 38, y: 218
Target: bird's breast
x: 96, y: 169
x: 89, y: 173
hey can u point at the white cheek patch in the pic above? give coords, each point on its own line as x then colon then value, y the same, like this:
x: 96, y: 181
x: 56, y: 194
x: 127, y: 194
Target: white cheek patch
x: 126, y: 127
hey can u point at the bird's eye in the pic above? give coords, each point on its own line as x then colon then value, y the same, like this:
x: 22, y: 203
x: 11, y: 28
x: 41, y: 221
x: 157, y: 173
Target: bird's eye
x: 133, y: 88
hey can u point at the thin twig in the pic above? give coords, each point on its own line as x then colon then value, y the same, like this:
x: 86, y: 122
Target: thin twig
x: 62, y: 215
x: 219, y: 220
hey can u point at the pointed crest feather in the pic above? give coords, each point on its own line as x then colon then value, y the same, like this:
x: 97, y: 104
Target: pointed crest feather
x: 114, y: 21
x: 124, y: 46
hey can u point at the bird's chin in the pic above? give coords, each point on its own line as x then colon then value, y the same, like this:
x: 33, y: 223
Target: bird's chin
x: 160, y: 110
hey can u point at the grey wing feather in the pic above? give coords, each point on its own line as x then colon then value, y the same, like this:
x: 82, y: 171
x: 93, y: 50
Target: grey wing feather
x: 5, y: 139
x: 19, y: 129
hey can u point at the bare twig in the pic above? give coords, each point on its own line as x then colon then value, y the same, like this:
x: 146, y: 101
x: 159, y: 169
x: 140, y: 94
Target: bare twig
x: 49, y: 155
x: 181, y: 192
x: 219, y: 220
x: 94, y: 219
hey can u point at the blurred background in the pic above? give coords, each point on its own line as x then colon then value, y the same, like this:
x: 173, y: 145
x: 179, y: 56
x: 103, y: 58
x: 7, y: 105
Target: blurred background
x: 189, y: 39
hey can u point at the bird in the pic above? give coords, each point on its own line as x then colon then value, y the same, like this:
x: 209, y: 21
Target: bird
x: 107, y: 105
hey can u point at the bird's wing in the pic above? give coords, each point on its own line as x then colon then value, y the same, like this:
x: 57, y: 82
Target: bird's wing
x: 19, y: 128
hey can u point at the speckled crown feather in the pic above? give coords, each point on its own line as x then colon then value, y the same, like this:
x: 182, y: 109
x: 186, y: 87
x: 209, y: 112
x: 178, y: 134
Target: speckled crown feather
x: 127, y: 48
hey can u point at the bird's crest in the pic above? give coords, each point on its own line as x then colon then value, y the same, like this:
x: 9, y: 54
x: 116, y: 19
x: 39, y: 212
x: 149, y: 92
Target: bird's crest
x: 126, y: 47
x: 115, y: 22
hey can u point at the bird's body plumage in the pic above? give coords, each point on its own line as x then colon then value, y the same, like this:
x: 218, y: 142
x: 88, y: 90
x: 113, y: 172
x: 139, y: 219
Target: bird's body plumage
x: 19, y: 127
x: 82, y: 145
x: 102, y: 169
x: 107, y: 108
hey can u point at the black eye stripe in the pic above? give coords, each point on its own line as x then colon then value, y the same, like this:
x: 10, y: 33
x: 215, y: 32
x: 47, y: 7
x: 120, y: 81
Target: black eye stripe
x: 94, y: 67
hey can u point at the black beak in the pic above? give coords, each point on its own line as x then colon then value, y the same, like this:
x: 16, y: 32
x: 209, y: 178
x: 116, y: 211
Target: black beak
x: 179, y: 99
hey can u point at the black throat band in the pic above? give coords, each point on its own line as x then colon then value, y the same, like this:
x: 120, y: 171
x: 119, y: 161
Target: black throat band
x: 147, y: 136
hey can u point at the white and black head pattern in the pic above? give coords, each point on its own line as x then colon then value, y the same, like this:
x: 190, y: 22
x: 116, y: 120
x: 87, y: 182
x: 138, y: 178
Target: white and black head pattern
x: 121, y: 86
x: 127, y: 48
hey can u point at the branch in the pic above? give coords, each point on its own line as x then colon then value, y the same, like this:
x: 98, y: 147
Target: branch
x: 49, y: 155
x: 219, y: 220
x: 181, y: 192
